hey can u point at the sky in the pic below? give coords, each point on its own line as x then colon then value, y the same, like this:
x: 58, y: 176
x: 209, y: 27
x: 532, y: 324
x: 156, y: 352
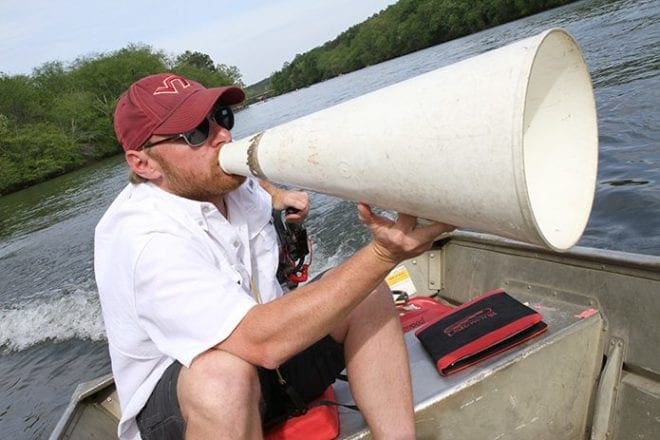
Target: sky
x: 257, y: 36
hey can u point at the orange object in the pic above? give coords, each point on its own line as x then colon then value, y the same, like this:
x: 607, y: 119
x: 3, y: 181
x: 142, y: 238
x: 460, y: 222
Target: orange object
x: 320, y: 422
x: 419, y: 311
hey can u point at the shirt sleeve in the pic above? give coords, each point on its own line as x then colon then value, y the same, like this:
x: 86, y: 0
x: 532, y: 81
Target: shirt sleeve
x: 185, y: 299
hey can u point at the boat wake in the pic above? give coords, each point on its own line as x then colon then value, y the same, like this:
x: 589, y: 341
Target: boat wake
x: 55, y: 316
x: 74, y: 312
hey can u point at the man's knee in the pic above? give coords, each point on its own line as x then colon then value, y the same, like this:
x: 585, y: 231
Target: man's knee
x: 380, y: 301
x: 215, y: 380
x: 377, y: 307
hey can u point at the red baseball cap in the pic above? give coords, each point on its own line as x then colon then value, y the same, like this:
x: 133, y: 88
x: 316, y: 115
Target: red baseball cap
x: 166, y: 104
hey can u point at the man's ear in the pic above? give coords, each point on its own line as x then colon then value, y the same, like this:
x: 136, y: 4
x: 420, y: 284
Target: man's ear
x: 142, y: 164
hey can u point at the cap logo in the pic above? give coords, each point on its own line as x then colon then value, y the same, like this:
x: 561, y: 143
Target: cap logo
x: 172, y: 84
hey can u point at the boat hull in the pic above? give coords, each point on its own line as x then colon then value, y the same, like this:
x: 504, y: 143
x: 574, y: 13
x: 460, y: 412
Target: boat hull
x: 594, y: 374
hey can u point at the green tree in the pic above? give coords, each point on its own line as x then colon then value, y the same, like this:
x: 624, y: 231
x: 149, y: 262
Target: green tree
x: 19, y: 98
x: 195, y: 59
x: 232, y: 73
x: 404, y: 27
x: 60, y: 118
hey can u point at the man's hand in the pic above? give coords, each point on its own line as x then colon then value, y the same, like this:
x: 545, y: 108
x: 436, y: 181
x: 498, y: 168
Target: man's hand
x: 298, y: 200
x: 395, y: 241
x: 283, y: 199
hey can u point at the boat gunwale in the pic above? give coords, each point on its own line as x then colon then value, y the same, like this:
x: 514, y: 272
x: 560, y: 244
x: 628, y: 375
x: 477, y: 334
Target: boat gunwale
x: 83, y: 391
x: 605, y: 259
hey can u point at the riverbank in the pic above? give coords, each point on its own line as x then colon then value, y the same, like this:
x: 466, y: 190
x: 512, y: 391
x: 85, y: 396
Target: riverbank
x: 59, y: 119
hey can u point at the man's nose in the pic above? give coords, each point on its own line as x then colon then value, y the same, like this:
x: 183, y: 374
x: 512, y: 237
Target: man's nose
x: 219, y: 134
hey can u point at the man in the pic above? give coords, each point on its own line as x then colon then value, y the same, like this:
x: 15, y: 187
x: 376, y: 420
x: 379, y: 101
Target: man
x: 185, y: 262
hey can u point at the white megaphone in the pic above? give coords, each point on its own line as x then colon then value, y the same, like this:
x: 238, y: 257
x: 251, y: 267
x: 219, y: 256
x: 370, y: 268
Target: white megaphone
x: 505, y: 142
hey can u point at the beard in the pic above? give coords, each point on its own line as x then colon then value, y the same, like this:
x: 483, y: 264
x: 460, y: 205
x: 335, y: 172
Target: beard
x: 205, y: 185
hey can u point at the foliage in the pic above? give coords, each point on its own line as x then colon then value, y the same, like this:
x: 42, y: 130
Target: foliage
x: 404, y: 27
x: 258, y: 91
x: 201, y: 63
x: 60, y: 117
x: 196, y: 59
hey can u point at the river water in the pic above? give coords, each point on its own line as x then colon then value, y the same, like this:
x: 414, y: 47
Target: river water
x: 51, y: 330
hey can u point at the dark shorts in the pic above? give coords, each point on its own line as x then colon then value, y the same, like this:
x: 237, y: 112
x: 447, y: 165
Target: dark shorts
x: 309, y: 373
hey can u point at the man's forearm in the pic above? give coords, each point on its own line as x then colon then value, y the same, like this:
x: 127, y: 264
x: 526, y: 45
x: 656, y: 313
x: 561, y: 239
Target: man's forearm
x: 271, y: 333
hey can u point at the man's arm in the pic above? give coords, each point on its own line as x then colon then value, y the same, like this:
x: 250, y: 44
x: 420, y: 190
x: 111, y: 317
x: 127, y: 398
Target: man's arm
x: 271, y: 333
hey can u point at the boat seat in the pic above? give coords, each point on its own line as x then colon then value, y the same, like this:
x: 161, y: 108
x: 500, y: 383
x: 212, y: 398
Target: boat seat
x: 541, y: 389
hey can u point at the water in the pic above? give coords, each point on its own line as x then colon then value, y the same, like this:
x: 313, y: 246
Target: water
x: 51, y: 331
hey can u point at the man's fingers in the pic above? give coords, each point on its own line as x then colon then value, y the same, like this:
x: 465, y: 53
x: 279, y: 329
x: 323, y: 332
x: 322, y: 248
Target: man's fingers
x: 295, y: 218
x: 406, y: 222
x: 400, y: 239
x: 364, y: 212
x: 298, y: 200
x: 296, y: 204
x: 369, y: 219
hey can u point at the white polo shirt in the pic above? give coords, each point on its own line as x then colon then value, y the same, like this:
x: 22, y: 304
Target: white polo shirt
x: 174, y: 277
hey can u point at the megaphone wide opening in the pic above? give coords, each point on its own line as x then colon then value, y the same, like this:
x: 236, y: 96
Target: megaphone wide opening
x: 560, y: 141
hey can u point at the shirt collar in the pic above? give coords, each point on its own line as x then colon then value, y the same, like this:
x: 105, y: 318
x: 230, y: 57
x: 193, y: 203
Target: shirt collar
x: 197, y: 211
x: 254, y: 204
x: 243, y: 203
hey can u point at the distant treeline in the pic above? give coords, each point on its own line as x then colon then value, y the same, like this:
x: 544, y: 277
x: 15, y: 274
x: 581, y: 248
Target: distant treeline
x: 60, y: 118
x: 404, y: 27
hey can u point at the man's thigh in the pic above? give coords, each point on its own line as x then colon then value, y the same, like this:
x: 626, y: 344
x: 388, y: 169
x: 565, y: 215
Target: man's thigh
x: 309, y: 373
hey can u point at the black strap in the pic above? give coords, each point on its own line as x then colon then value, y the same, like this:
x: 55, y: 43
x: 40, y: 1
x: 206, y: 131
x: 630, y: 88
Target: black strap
x: 332, y: 403
x: 299, y: 406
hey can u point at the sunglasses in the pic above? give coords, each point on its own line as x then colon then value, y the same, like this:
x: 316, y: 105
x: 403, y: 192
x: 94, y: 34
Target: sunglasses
x: 222, y: 115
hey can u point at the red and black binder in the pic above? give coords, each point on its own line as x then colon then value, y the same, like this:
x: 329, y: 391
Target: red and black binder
x: 478, y: 329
